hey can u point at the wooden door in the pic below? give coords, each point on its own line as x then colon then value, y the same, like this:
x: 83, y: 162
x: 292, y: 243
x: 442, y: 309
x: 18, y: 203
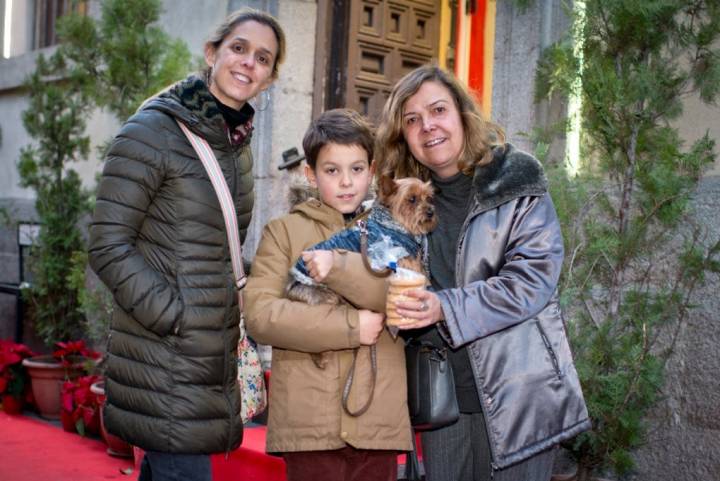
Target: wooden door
x: 373, y: 44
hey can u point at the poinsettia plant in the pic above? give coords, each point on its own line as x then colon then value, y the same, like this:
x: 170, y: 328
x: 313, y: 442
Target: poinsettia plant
x: 67, y: 352
x: 80, y: 404
x: 14, y: 379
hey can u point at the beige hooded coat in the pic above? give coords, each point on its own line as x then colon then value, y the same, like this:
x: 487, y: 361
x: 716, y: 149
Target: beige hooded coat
x: 305, y: 411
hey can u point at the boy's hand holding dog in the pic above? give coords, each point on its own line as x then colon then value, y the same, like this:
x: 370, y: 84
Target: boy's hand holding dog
x: 318, y: 263
x: 371, y: 325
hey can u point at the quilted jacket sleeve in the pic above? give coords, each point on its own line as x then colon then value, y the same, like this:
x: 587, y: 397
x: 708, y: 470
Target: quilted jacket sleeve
x: 133, y: 173
x: 531, y: 262
x: 275, y: 320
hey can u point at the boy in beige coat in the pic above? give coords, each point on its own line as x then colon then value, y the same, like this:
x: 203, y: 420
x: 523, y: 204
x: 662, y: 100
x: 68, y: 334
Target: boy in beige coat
x: 307, y: 423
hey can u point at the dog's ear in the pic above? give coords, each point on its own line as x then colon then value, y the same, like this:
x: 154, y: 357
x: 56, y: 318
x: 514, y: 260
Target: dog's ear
x: 386, y: 187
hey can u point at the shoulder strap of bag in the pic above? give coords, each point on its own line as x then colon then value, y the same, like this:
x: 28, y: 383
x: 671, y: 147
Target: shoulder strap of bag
x: 207, y: 157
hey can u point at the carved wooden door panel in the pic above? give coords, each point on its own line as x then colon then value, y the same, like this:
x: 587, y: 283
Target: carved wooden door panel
x: 386, y: 40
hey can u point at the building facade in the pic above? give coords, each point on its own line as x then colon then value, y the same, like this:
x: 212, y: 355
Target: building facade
x: 350, y: 53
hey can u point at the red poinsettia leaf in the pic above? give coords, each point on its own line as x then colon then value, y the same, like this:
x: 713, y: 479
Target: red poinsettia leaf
x: 23, y: 350
x: 3, y: 384
x: 80, y: 397
x: 66, y: 401
x: 87, y: 415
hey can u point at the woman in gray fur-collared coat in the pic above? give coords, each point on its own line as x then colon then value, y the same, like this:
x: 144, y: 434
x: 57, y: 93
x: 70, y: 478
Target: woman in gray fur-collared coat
x: 494, y: 262
x: 158, y: 241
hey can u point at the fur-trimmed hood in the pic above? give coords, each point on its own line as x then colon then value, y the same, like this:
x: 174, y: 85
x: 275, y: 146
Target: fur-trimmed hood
x: 300, y: 190
x: 511, y: 174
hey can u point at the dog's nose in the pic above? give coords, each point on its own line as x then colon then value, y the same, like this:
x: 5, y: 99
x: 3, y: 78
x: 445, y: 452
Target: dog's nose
x: 430, y: 211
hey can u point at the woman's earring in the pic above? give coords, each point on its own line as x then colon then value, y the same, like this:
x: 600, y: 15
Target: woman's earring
x: 208, y: 76
x: 260, y: 106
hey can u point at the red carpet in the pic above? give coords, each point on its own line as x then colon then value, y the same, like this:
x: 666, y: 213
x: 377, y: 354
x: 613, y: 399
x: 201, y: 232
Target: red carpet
x: 249, y: 462
x: 32, y: 450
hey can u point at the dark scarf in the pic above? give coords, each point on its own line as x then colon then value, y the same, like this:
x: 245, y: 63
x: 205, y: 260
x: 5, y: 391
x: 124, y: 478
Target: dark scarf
x: 240, y: 122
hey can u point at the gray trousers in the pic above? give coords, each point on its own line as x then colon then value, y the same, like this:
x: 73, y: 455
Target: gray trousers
x: 461, y: 452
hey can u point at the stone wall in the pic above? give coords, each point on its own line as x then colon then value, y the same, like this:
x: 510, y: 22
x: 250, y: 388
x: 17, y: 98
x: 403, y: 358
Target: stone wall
x: 684, y: 439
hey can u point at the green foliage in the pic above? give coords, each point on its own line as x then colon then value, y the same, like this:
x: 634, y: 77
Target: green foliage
x: 634, y: 254
x: 115, y: 62
x: 55, y: 118
x: 95, y: 302
x: 127, y: 56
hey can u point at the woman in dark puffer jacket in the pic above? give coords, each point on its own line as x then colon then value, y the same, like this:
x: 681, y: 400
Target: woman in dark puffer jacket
x: 158, y: 242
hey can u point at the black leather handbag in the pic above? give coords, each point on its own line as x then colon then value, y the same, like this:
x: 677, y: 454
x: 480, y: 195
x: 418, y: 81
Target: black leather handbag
x: 431, y: 386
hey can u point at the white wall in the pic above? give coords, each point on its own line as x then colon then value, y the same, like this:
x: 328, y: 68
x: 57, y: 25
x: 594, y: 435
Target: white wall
x: 291, y: 108
x: 13, y: 139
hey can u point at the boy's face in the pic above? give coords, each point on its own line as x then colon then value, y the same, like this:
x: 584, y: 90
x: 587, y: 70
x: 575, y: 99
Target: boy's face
x: 342, y: 176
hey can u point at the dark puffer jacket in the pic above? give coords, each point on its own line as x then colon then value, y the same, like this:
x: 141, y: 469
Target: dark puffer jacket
x: 158, y: 242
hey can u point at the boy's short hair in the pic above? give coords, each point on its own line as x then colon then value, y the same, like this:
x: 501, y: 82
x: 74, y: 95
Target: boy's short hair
x: 338, y: 126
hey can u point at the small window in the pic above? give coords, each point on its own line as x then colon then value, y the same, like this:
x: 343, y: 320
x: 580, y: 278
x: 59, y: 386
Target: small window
x: 364, y: 105
x: 395, y: 22
x: 368, y: 16
x: 420, y: 29
x: 47, y: 13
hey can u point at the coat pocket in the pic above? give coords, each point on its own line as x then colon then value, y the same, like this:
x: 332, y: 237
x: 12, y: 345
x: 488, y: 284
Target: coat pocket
x: 550, y: 350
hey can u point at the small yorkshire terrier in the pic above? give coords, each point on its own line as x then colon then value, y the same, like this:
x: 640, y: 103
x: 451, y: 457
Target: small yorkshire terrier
x: 403, y: 213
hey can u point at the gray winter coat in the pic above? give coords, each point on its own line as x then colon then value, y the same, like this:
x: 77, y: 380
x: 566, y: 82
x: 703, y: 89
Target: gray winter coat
x: 158, y: 241
x: 506, y: 311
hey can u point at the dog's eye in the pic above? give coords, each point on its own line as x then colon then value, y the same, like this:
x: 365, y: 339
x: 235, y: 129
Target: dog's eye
x: 412, y: 199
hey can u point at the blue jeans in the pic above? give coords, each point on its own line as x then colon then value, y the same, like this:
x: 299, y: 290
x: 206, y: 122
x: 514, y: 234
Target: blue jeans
x: 158, y: 466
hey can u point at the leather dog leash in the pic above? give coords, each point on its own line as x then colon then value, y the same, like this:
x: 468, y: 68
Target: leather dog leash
x: 362, y: 225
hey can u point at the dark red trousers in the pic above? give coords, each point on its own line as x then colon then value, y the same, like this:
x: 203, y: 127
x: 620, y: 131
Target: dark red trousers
x: 346, y: 464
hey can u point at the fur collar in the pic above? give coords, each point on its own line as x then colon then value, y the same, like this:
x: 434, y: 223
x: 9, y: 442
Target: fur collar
x: 512, y: 174
x: 300, y: 190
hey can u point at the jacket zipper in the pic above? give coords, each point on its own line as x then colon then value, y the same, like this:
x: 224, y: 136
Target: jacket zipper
x: 228, y: 309
x: 484, y: 408
x: 472, y: 213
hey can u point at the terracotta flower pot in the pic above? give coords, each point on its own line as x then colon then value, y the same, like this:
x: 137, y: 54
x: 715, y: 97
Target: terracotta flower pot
x: 47, y: 375
x: 11, y: 404
x: 115, y: 445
